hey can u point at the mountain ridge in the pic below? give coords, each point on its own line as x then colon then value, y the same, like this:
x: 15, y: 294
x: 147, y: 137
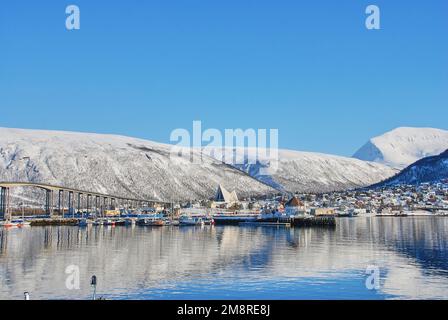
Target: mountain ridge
x: 121, y: 165
x: 427, y: 170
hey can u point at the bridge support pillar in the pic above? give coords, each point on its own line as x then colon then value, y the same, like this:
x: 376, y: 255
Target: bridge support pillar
x: 104, y: 205
x: 4, y: 203
x: 96, y: 204
x: 70, y: 203
x: 60, y: 201
x: 89, y: 196
x: 79, y: 202
x: 63, y: 203
x: 49, y: 202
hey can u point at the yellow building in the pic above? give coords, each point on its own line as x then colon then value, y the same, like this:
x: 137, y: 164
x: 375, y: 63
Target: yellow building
x: 111, y: 213
x: 322, y: 211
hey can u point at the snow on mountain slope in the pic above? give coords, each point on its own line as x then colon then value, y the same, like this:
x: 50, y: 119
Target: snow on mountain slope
x: 304, y: 171
x: 403, y: 146
x: 115, y: 165
x: 430, y: 169
x: 121, y: 165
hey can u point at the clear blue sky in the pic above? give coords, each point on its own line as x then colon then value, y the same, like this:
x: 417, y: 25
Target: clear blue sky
x: 144, y: 68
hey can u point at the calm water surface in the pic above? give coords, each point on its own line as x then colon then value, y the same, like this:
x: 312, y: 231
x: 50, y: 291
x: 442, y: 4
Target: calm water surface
x: 230, y: 262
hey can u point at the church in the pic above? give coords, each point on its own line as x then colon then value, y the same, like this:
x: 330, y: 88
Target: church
x: 224, y: 198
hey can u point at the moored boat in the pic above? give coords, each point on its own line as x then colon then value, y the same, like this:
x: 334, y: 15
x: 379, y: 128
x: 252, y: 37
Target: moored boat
x: 82, y: 223
x: 273, y: 217
x: 108, y: 222
x: 208, y: 220
x: 10, y: 223
x: 233, y: 219
x: 23, y: 223
x: 350, y: 213
x: 191, y: 221
x: 130, y: 221
x: 120, y: 222
x: 151, y: 222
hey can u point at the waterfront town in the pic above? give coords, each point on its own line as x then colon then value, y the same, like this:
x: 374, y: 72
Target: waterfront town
x: 226, y: 208
x: 422, y: 199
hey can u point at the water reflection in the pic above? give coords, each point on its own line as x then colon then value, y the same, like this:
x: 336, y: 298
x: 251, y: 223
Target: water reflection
x: 230, y: 262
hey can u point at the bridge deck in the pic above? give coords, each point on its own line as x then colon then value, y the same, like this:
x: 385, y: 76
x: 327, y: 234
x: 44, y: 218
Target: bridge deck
x: 50, y: 187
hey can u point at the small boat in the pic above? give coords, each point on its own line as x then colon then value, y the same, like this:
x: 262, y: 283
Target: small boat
x: 400, y: 214
x: 130, y: 222
x: 120, y: 222
x: 209, y: 221
x: 108, y: 222
x: 22, y: 223
x: 346, y: 214
x: 82, y: 223
x: 9, y: 224
x: 190, y: 221
x: 150, y: 222
x: 98, y: 222
x: 174, y: 223
x: 18, y: 223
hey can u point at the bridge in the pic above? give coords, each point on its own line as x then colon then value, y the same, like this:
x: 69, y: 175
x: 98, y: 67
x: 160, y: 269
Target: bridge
x: 71, y: 199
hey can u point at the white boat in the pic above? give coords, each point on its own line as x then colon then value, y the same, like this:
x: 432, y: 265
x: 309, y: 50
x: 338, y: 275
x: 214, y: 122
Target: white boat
x: 23, y: 223
x: 108, y: 222
x: 15, y: 223
x: 350, y: 213
x: 98, y: 222
x: 190, y: 221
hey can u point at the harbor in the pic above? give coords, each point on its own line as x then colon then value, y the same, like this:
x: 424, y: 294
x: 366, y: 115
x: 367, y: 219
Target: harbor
x: 225, y: 261
x: 71, y: 207
x: 161, y: 220
x: 84, y: 208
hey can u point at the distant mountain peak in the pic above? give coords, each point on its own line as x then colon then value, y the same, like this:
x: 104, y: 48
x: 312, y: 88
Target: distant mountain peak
x: 403, y: 146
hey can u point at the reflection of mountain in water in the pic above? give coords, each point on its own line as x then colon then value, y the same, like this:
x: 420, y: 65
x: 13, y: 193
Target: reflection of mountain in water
x: 422, y: 239
x: 135, y: 259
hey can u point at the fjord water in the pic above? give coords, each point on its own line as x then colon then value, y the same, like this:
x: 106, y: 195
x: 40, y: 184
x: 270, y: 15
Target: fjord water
x: 230, y: 262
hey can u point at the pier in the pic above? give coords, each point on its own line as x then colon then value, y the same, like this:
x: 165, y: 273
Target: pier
x: 319, y: 221
x: 63, y: 201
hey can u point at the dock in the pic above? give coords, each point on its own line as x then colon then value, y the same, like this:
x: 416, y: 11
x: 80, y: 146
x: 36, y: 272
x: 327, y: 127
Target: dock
x: 314, y: 221
x: 54, y: 222
x: 266, y: 224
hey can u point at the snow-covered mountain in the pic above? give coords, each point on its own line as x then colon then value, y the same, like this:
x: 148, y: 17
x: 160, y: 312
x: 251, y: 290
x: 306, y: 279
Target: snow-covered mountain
x: 403, y: 146
x: 297, y: 171
x: 429, y: 169
x: 115, y: 165
x: 122, y: 165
